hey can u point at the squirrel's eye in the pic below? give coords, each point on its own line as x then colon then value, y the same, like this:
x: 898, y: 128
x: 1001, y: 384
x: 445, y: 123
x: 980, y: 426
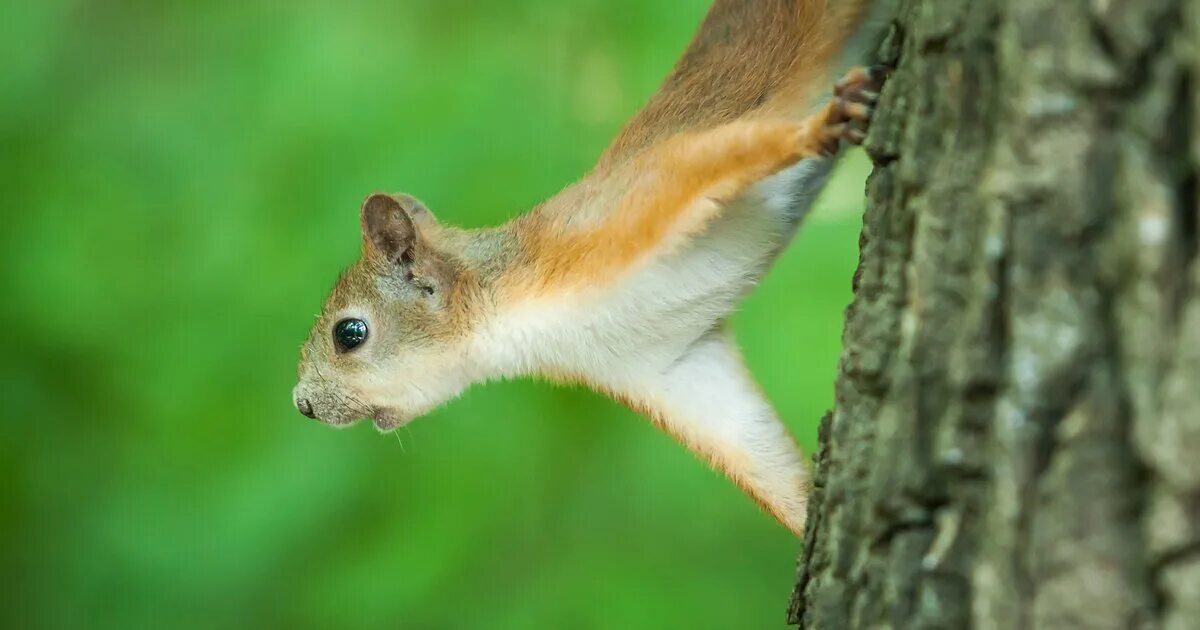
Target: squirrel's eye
x: 349, y: 334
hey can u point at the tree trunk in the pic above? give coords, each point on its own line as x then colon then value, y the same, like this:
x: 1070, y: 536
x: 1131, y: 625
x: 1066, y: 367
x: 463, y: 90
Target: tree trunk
x: 1016, y: 438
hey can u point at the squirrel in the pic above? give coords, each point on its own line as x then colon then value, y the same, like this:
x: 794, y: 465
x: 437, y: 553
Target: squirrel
x: 625, y: 280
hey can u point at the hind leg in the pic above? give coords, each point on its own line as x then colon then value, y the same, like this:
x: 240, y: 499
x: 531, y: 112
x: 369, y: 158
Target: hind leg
x: 708, y: 401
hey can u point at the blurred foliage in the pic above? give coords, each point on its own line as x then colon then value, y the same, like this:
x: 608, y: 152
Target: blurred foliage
x: 180, y: 184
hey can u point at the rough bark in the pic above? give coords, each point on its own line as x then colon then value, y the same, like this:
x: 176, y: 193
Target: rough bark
x: 1016, y: 437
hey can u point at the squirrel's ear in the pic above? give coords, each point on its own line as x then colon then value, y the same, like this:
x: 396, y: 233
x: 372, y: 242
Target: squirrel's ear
x: 388, y: 232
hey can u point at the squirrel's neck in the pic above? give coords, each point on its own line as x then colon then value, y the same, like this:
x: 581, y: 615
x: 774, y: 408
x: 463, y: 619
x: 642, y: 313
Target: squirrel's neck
x: 491, y: 258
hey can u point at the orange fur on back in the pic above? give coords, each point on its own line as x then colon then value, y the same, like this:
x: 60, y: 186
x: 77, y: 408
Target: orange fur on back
x: 750, y: 59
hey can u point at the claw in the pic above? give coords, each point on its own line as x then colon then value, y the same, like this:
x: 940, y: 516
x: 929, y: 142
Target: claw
x: 880, y: 72
x: 855, y: 111
x: 869, y: 97
x: 853, y: 80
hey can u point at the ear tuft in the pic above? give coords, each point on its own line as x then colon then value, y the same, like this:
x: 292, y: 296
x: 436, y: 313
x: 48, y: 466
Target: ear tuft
x: 388, y: 232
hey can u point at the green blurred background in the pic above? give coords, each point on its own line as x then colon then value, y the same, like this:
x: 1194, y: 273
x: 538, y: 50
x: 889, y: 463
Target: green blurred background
x: 180, y: 185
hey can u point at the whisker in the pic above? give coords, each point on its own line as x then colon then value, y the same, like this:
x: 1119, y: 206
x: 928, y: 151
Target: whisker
x: 357, y: 405
x: 362, y: 406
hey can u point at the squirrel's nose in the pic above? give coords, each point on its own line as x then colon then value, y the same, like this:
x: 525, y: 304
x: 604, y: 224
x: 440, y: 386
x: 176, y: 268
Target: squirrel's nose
x: 304, y: 407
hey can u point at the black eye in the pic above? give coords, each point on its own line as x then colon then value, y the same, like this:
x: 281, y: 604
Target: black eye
x: 349, y: 334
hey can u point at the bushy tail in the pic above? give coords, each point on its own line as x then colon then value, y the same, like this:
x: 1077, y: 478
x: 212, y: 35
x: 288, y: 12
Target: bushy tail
x: 755, y: 58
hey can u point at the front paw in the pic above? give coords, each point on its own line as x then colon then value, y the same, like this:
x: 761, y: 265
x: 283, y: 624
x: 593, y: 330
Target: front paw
x: 849, y: 114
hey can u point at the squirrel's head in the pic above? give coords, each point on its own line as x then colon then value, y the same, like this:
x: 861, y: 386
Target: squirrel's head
x: 389, y: 342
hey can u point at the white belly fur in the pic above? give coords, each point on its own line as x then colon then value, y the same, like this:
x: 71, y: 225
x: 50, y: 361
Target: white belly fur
x: 649, y: 320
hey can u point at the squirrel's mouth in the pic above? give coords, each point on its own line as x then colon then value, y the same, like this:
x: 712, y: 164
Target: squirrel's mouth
x: 385, y: 420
